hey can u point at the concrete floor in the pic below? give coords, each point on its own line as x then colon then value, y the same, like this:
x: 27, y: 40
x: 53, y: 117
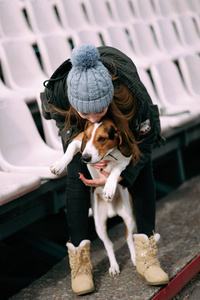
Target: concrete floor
x: 178, y: 222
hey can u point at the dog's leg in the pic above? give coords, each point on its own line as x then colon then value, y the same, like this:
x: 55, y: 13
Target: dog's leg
x: 60, y: 165
x: 127, y: 215
x: 100, y: 218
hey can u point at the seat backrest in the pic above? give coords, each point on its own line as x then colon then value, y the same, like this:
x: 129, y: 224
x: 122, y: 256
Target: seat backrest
x: 78, y: 14
x: 18, y: 131
x: 145, y: 78
x: 104, y: 12
x: 13, y: 22
x: 50, y: 130
x: 54, y: 50
x: 165, y: 8
x: 168, y: 34
x: 20, y: 65
x: 182, y: 6
x: 165, y: 74
x: 125, y: 10
x: 42, y: 17
x: 191, y: 35
x: 145, y: 39
x: 190, y: 69
x: 94, y: 37
x: 145, y: 9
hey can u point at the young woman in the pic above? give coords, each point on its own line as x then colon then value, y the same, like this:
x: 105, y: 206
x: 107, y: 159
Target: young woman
x: 99, y: 82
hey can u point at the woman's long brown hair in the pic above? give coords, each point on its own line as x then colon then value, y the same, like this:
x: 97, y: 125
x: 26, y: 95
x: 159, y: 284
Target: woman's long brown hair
x: 121, y: 111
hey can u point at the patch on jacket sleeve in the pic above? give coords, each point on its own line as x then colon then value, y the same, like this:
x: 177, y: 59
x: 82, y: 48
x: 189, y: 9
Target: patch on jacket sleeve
x: 145, y: 127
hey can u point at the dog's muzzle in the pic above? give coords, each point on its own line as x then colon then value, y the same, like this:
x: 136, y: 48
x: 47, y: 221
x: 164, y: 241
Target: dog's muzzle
x: 86, y: 158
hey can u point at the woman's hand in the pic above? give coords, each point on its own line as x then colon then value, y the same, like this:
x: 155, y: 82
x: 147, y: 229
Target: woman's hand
x: 99, y: 181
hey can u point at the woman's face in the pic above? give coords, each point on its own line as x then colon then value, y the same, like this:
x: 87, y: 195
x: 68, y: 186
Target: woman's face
x: 93, y: 118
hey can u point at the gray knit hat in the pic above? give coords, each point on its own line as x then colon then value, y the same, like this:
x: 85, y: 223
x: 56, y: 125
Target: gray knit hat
x: 90, y: 88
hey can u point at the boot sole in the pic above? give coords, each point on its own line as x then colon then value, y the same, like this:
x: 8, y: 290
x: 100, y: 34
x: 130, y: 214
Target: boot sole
x: 84, y: 292
x: 152, y: 283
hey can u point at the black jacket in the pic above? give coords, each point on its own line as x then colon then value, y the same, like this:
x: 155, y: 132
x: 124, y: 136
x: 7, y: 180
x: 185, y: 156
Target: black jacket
x: 145, y: 125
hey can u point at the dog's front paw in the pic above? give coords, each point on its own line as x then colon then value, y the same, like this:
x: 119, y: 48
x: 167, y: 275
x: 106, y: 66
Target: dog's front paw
x: 58, y: 167
x: 114, y: 270
x: 109, y: 191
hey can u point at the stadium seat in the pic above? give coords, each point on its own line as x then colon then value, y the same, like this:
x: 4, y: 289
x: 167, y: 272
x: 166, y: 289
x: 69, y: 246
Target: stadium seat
x: 170, y: 116
x: 76, y: 15
x: 145, y: 44
x: 54, y: 50
x: 195, y: 5
x: 122, y: 39
x: 50, y: 130
x: 13, y: 23
x: 22, y: 149
x: 126, y: 11
x: 14, y: 185
x: 21, y: 69
x: 105, y: 13
x: 171, y: 88
x: 182, y: 6
x: 168, y: 39
x: 188, y: 32
x: 42, y: 17
x: 165, y: 8
x: 190, y: 70
x: 145, y: 10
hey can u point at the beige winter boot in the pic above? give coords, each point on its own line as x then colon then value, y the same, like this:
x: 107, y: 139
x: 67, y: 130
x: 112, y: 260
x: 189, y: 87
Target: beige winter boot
x: 81, y: 268
x: 147, y: 264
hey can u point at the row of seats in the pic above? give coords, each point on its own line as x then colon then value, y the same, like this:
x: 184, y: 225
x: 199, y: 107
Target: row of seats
x: 162, y: 38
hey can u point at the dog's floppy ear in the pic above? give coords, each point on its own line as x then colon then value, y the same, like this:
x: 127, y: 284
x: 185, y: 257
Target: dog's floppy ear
x: 83, y: 144
x: 123, y: 147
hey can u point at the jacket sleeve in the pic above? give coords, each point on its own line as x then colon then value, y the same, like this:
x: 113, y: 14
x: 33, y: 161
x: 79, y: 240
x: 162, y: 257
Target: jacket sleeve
x: 148, y: 132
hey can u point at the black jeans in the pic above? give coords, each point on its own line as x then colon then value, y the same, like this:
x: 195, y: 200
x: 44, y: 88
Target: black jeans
x: 78, y: 201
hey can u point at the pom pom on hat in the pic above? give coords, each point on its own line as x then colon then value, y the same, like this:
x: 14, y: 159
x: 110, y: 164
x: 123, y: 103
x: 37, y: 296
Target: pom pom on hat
x: 85, y: 56
x: 90, y: 88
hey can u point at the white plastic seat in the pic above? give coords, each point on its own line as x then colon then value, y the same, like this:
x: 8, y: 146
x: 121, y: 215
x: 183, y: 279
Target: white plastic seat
x: 75, y: 14
x: 144, y: 10
x: 188, y: 33
x: 14, y: 185
x: 145, y: 44
x: 171, y: 89
x: 122, y: 39
x: 22, y: 150
x: 126, y: 11
x: 195, y: 5
x: 94, y: 36
x: 12, y: 21
x: 165, y: 8
x: 50, y: 130
x: 104, y: 13
x: 42, y: 17
x: 21, y: 69
x: 170, y: 116
x: 54, y: 50
x: 182, y: 6
x: 190, y: 70
x: 168, y: 38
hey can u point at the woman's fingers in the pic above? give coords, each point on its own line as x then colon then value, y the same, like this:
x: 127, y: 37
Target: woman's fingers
x: 92, y: 182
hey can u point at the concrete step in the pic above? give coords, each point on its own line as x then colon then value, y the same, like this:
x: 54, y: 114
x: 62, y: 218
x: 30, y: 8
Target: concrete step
x: 177, y: 221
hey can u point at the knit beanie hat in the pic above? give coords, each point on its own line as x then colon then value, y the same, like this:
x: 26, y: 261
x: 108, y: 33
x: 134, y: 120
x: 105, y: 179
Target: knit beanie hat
x: 90, y: 88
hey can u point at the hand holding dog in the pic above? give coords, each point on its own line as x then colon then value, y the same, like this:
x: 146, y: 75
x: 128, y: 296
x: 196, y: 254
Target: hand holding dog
x: 99, y: 181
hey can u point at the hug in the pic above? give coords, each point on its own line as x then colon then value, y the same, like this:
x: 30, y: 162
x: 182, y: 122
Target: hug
x: 108, y: 125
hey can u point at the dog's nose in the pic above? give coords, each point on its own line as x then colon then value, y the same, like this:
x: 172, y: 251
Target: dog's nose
x: 86, y: 158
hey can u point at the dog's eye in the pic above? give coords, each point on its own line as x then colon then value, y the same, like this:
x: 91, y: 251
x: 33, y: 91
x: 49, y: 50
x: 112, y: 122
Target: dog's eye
x: 101, y: 139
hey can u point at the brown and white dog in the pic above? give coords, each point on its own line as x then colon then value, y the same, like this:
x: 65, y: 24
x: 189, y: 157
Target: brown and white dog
x: 102, y: 141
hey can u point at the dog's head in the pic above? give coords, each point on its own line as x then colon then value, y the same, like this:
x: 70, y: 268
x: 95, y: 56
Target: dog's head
x: 99, y: 140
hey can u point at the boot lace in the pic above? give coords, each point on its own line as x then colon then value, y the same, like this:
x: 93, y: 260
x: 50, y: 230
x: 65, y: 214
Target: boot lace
x: 152, y: 253
x: 81, y: 263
